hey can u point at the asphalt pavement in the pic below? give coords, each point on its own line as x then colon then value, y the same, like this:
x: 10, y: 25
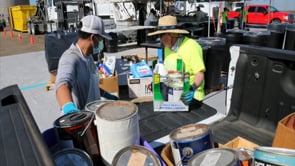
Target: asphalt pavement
x: 15, y: 42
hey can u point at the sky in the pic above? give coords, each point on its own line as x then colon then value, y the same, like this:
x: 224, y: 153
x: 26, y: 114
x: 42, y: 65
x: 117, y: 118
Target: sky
x: 32, y: 2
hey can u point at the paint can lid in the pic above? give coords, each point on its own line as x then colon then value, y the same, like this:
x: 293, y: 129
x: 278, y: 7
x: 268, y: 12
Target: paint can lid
x: 117, y: 110
x: 216, y: 156
x: 73, y: 119
x: 94, y: 105
x: 189, y: 132
x: 73, y: 157
x: 275, y: 150
x: 136, y: 155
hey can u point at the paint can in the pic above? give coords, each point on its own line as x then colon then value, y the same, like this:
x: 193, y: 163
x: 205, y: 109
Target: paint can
x: 135, y: 155
x: 54, y: 143
x: 117, y: 127
x: 189, y: 140
x: 94, y: 105
x: 175, y: 86
x: 73, y: 157
x: 273, y: 156
x: 215, y: 156
x: 246, y: 157
x: 79, y: 128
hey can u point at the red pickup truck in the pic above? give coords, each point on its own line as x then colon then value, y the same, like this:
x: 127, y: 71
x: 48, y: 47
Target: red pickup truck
x: 263, y: 14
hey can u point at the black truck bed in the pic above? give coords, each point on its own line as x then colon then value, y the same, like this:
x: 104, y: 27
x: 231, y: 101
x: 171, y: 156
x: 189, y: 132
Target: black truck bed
x: 263, y: 93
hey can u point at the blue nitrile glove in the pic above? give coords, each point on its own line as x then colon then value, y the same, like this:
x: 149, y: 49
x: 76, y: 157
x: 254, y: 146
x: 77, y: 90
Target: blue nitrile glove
x: 187, y: 97
x: 109, y: 96
x: 69, y: 108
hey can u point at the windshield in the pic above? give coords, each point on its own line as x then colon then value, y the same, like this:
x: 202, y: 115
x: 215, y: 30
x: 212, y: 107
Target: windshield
x: 273, y: 9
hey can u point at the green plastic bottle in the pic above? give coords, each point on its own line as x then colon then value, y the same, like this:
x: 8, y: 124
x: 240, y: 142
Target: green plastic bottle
x: 157, y: 87
x: 186, y: 82
x: 179, y: 65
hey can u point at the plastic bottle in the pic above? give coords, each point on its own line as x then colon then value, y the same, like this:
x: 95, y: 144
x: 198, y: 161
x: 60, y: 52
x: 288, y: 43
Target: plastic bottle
x: 179, y: 65
x: 186, y: 82
x: 160, y: 68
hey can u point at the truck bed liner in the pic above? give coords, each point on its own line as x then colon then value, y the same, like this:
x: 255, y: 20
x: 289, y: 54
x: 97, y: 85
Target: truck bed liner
x: 154, y: 125
x: 263, y: 93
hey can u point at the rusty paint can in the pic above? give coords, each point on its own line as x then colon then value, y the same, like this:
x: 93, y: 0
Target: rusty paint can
x: 136, y: 155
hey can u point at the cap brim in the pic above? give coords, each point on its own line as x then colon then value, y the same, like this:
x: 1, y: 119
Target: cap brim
x: 181, y: 31
x: 106, y: 36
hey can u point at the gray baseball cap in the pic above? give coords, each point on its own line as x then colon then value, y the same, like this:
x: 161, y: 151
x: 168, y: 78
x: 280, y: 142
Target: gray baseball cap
x: 94, y: 24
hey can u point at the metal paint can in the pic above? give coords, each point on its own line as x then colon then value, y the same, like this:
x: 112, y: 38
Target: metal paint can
x: 117, y: 127
x: 94, y: 105
x: 136, y: 155
x: 73, y: 157
x: 175, y: 86
x: 215, y: 157
x: 189, y: 140
x: 245, y: 156
x: 273, y: 156
x: 79, y: 128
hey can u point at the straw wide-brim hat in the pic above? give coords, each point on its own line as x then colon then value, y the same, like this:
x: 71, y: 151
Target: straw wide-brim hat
x: 168, y: 24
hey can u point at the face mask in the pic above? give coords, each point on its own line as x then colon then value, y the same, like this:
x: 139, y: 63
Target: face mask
x: 99, y: 48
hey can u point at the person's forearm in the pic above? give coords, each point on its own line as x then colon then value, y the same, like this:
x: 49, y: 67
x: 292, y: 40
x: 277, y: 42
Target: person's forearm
x: 199, y: 77
x: 63, y: 95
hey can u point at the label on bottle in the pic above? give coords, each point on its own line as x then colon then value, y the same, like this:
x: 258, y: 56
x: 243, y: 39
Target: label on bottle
x: 186, y: 82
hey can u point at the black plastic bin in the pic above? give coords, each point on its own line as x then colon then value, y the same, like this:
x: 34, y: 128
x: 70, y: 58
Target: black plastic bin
x: 204, y: 32
x: 55, y: 45
x: 290, y: 37
x: 215, y: 60
x: 111, y: 45
x: 277, y: 33
x: 256, y: 38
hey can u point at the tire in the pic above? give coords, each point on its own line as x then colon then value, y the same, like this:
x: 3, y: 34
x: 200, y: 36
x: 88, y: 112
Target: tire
x: 276, y: 21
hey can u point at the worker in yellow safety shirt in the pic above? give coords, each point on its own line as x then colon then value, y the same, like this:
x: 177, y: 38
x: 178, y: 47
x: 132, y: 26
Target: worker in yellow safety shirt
x: 224, y: 16
x: 243, y: 18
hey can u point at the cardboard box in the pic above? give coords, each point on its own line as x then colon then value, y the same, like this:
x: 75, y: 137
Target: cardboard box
x: 285, y: 133
x: 166, y: 98
x: 138, y: 87
x: 239, y: 142
x: 167, y: 155
x: 110, y: 84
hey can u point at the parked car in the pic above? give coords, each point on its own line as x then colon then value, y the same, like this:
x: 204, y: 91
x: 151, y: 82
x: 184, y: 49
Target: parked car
x: 263, y: 14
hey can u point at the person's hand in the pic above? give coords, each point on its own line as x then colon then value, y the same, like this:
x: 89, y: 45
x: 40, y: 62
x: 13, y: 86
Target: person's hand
x: 187, y: 97
x: 69, y: 108
x: 110, y: 96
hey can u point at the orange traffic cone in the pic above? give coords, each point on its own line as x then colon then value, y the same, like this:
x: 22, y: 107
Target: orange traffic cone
x: 4, y: 32
x: 11, y: 33
x: 20, y: 37
x: 32, y: 41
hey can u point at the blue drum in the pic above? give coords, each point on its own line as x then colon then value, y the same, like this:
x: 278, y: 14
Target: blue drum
x: 189, y: 140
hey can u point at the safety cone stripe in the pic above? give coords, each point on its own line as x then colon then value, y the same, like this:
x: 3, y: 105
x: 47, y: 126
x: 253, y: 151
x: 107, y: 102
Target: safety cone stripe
x: 11, y: 33
x: 20, y: 36
x: 4, y: 32
x: 32, y: 41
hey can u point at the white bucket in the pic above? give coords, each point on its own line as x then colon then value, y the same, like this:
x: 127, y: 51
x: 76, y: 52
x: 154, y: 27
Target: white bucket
x: 118, y: 127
